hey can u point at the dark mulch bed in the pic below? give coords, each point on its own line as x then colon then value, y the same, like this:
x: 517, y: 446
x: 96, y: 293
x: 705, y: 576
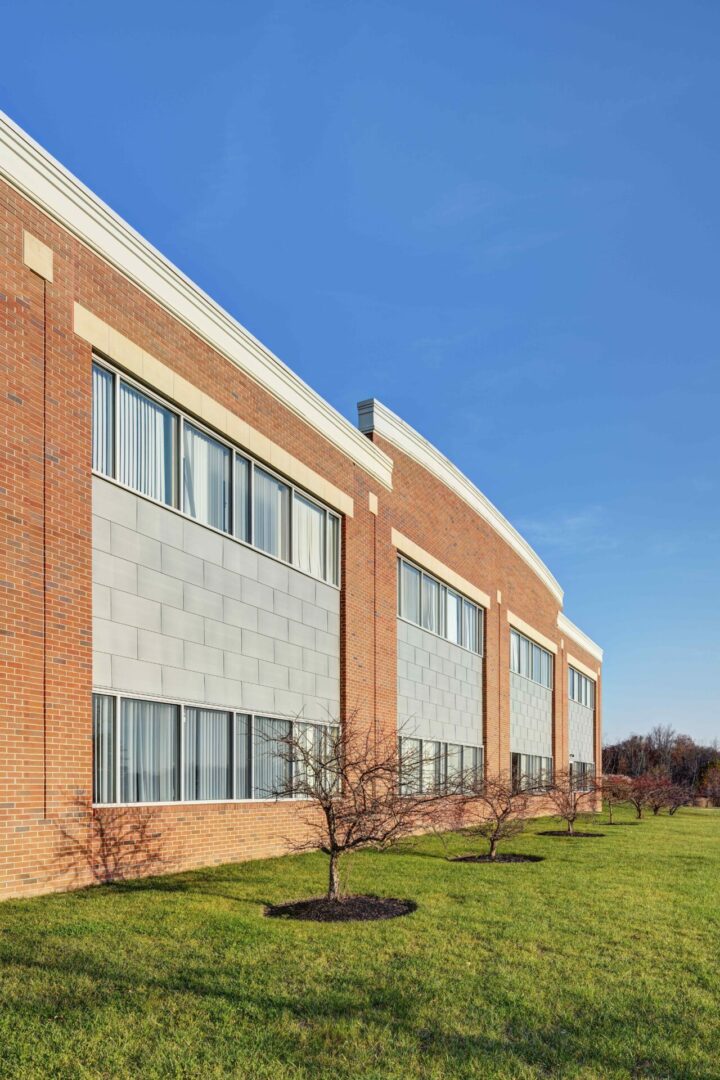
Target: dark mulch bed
x: 349, y: 909
x: 614, y: 823
x: 498, y: 858
x: 564, y: 832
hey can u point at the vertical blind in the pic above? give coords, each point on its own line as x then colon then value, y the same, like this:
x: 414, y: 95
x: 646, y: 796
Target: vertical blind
x: 103, y: 428
x: 206, y: 475
x: 147, y: 445
x: 208, y: 758
x: 424, y: 600
x: 103, y: 748
x: 271, y: 514
x: 309, y: 537
x: 149, y: 743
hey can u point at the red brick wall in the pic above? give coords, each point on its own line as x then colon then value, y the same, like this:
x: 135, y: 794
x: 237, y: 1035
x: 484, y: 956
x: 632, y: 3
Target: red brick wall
x: 46, y: 824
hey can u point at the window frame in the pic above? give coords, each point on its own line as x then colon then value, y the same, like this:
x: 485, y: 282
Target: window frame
x: 578, y: 685
x: 117, y: 698
x: 442, y: 615
x: 176, y: 507
x: 529, y: 652
x: 440, y: 758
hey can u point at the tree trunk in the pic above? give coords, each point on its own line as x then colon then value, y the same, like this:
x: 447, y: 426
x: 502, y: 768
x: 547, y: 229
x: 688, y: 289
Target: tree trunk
x: 334, y: 877
x: 638, y: 811
x: 571, y: 831
x: 656, y: 811
x: 493, y: 847
x: 610, y: 810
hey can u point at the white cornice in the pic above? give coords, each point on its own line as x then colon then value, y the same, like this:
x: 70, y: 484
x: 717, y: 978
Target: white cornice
x: 573, y: 631
x: 43, y: 180
x: 373, y: 416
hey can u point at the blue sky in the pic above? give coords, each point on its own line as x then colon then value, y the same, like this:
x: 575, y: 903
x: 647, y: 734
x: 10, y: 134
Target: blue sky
x: 503, y: 220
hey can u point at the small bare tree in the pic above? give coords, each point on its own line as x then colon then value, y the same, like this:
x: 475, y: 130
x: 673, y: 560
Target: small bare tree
x: 678, y: 795
x: 640, y: 792
x: 568, y: 796
x: 495, y: 809
x: 614, y: 790
x: 353, y: 792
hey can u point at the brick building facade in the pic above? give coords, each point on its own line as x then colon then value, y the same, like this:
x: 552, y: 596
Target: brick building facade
x: 195, y: 547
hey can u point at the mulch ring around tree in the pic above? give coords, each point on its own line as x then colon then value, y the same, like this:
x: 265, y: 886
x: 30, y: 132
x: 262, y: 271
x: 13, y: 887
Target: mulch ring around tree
x: 498, y: 858
x: 570, y: 836
x: 347, y: 909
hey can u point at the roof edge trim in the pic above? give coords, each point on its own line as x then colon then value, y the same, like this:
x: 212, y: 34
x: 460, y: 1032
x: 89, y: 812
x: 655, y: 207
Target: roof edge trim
x: 40, y: 178
x: 374, y: 416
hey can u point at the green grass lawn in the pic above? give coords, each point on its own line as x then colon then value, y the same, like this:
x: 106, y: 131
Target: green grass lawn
x: 601, y: 961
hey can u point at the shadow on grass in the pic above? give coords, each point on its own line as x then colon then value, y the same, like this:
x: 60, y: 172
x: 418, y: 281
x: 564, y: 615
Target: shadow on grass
x: 588, y: 1040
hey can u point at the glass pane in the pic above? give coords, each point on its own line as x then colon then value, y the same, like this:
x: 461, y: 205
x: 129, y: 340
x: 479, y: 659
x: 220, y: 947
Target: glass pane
x: 271, y: 514
x: 206, y: 478
x: 410, y: 766
x: 454, y: 763
x: 149, y: 746
x: 147, y: 445
x: 241, y: 522
x: 243, y: 736
x: 433, y: 767
x: 103, y: 427
x: 410, y: 592
x: 524, y: 667
x: 571, y: 684
x: 430, y: 601
x: 514, y: 651
x: 333, y: 567
x: 470, y: 640
x: 536, y: 663
x: 271, y: 765
x: 309, y: 537
x: 103, y: 748
x: 454, y: 610
x: 208, y: 766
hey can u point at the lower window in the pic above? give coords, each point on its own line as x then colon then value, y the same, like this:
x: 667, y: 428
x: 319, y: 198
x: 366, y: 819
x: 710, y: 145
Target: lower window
x: 159, y: 752
x: 531, y: 772
x: 582, y: 774
x: 428, y: 766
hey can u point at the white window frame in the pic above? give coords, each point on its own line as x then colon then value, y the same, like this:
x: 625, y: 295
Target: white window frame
x: 118, y: 696
x: 531, y: 664
x: 444, y: 589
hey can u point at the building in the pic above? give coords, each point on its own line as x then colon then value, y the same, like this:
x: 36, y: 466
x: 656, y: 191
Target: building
x: 197, y: 550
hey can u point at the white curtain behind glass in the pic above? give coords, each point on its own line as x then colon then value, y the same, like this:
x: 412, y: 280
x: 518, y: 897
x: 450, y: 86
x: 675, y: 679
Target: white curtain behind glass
x: 208, y: 767
x: 309, y: 537
x: 102, y: 420
x: 206, y: 477
x: 243, y: 752
x: 271, y: 518
x: 147, y: 445
x: 149, y: 751
x: 103, y: 749
x: 242, y: 498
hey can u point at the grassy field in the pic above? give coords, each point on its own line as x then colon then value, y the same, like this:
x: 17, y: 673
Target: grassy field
x: 601, y: 961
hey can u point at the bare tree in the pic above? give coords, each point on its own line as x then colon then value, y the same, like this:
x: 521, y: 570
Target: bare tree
x: 678, y: 795
x: 568, y: 797
x: 614, y: 790
x: 640, y: 792
x: 353, y: 792
x: 494, y: 809
x: 659, y: 794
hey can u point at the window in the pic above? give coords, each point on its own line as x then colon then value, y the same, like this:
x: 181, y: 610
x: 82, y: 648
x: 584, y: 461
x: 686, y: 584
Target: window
x: 148, y: 452
x: 581, y: 688
x: 271, y: 514
x: 530, y: 660
x: 103, y: 748
x: 531, y: 772
x: 208, y: 760
x: 425, y: 601
x: 206, y: 478
x: 163, y: 752
x: 309, y: 537
x: 149, y: 752
x: 162, y: 454
x: 103, y: 420
x: 582, y: 773
x: 428, y: 766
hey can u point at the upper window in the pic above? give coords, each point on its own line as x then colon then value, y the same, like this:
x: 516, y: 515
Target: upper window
x: 580, y: 688
x: 530, y: 660
x: 424, y: 600
x: 159, y: 452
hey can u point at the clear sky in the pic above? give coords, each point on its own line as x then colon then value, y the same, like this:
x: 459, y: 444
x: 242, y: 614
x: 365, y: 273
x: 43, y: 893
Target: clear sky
x: 500, y: 219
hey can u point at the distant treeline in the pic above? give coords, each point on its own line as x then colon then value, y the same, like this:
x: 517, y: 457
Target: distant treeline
x: 663, y: 750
